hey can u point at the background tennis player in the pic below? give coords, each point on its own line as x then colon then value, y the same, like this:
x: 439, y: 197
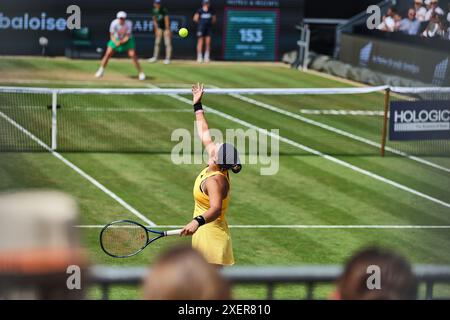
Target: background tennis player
x: 121, y: 40
x: 212, y: 188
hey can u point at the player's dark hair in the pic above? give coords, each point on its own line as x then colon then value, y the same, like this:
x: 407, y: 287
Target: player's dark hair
x: 397, y: 281
x: 228, y: 158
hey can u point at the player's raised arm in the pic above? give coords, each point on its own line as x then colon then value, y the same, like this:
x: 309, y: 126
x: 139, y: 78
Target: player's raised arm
x: 202, y: 124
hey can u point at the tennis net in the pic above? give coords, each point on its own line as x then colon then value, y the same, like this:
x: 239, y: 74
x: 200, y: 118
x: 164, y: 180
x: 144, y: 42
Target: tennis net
x: 336, y: 121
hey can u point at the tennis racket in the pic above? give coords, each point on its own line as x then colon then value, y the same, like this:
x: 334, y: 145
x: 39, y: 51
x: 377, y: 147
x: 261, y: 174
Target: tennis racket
x: 126, y: 238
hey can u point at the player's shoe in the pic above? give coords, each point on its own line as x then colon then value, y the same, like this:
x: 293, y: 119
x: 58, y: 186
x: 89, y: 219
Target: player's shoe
x: 166, y: 61
x: 199, y: 59
x: 206, y: 60
x: 141, y: 76
x: 152, y: 60
x: 100, y: 72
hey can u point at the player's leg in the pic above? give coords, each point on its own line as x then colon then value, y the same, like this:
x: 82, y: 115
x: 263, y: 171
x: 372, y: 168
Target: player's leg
x: 133, y: 56
x: 168, y: 44
x: 108, y: 54
x: 200, y: 49
x: 207, y: 48
x: 157, y: 46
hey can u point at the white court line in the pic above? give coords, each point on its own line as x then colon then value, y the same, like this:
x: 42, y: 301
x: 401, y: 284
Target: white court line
x: 298, y: 226
x: 342, y: 112
x: 315, y: 152
x: 336, y: 130
x: 78, y: 170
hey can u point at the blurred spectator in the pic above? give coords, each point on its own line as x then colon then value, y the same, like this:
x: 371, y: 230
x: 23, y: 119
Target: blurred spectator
x: 390, y: 20
x: 38, y: 242
x: 433, y: 7
x: 445, y: 26
x: 410, y: 25
x: 420, y: 10
x: 182, y: 273
x: 397, y: 281
x: 448, y: 14
x: 435, y: 27
x: 448, y: 24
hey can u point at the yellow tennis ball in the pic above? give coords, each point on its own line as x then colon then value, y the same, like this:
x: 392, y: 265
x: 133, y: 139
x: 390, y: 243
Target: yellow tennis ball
x: 183, y: 32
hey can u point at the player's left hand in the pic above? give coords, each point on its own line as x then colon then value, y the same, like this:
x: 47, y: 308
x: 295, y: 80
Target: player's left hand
x: 190, y: 228
x: 197, y: 93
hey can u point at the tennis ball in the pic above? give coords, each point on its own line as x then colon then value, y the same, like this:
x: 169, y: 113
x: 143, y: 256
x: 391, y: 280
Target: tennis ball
x: 183, y: 32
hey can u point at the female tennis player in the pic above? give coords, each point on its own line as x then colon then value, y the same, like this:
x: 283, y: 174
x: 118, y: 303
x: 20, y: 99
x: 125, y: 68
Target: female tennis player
x: 212, y: 188
x: 121, y: 40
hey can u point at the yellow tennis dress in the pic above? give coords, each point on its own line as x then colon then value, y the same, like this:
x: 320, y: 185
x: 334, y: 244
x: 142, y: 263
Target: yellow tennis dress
x: 212, y: 239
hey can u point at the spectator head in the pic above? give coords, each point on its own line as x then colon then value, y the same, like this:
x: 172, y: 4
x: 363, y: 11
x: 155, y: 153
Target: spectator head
x: 418, y: 3
x: 391, y: 11
x: 38, y: 243
x: 397, y: 17
x: 157, y: 3
x: 182, y: 273
x: 206, y: 3
x: 397, y: 281
x: 434, y: 3
x: 436, y: 18
x: 412, y: 14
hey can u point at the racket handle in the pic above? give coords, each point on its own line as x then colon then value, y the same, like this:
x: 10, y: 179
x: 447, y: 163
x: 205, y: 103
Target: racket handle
x: 176, y: 232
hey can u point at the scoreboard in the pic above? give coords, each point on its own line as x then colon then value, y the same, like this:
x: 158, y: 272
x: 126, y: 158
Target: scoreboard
x: 251, y: 34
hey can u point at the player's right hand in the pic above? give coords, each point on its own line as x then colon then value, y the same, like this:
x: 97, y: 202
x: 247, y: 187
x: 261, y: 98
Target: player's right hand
x: 190, y: 228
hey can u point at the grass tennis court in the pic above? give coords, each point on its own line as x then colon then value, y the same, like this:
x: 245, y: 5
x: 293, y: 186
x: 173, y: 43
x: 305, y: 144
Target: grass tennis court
x: 308, y: 190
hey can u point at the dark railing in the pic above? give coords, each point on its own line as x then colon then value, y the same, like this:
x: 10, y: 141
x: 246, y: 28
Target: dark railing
x: 311, y: 276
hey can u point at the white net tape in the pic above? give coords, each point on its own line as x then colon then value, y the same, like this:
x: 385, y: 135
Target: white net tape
x: 248, y: 91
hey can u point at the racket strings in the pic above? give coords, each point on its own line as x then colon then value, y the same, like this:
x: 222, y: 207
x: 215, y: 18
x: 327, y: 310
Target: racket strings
x: 123, y: 239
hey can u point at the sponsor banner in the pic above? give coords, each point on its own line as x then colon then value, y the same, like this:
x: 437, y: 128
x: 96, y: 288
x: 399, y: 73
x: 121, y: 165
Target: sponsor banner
x: 400, y: 59
x: 419, y: 120
x: 23, y: 22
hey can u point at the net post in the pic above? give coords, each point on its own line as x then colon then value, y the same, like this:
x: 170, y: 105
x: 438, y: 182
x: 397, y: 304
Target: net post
x: 54, y: 120
x: 385, y: 119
